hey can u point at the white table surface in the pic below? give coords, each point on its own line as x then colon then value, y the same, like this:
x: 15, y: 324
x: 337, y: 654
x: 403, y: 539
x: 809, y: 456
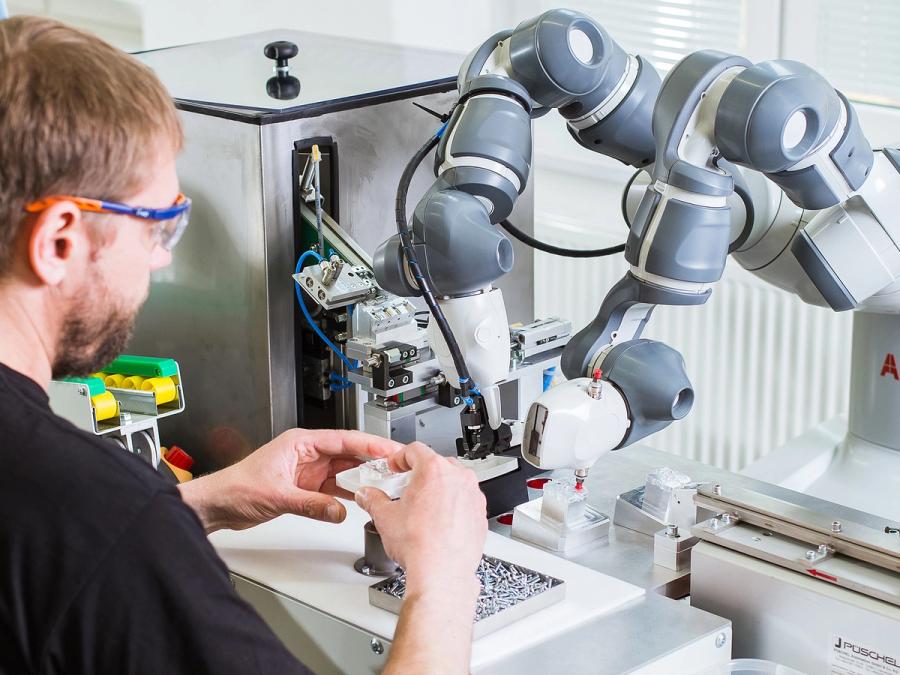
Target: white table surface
x: 312, y: 562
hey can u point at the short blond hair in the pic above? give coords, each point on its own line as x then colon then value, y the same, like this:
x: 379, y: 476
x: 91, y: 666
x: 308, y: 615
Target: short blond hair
x: 77, y: 116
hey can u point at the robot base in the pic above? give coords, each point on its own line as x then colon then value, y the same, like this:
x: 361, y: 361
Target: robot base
x: 832, y: 464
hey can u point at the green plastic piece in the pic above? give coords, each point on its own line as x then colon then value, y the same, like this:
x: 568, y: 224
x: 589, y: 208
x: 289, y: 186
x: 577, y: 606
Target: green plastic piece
x: 94, y: 384
x: 145, y: 366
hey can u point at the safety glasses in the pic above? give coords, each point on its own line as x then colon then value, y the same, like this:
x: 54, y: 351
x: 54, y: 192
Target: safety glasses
x: 171, y: 221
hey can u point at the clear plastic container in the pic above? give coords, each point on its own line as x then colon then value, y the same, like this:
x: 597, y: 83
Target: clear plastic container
x: 753, y: 667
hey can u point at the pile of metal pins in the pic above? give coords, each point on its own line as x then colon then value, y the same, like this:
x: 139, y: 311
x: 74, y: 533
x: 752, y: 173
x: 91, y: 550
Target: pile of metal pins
x: 503, y: 585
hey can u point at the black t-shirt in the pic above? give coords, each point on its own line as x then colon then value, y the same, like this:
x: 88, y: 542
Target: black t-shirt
x: 103, y: 568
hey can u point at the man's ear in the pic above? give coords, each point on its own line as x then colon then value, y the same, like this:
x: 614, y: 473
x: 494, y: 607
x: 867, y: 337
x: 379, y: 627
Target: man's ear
x: 57, y: 240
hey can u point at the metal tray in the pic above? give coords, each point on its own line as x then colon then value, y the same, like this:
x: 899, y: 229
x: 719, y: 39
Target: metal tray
x: 554, y: 592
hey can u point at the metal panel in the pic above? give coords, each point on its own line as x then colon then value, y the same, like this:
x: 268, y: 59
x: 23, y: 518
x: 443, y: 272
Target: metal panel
x: 785, y: 616
x: 324, y: 644
x: 208, y: 308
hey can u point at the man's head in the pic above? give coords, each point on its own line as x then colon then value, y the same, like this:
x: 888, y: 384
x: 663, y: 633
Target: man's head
x: 80, y: 118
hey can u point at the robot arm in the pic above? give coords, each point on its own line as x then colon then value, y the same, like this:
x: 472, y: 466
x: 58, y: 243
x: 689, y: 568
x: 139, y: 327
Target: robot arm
x: 482, y: 164
x: 781, y: 119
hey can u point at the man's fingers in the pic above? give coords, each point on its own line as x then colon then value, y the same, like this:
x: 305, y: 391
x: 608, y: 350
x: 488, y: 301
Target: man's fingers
x: 316, y: 506
x: 373, y: 500
x: 349, y: 443
x: 409, y: 457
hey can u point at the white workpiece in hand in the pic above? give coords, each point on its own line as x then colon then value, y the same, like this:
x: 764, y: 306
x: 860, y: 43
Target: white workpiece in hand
x: 375, y: 474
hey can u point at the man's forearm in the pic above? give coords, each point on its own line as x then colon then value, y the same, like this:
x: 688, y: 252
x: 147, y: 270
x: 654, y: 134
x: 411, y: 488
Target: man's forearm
x: 204, y: 496
x: 434, y: 632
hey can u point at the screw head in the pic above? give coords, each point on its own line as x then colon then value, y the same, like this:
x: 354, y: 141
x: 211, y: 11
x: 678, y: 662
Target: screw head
x: 836, y: 526
x: 823, y: 549
x: 717, y: 489
x: 721, y: 640
x: 672, y: 531
x: 82, y: 391
x: 376, y: 646
x: 810, y: 555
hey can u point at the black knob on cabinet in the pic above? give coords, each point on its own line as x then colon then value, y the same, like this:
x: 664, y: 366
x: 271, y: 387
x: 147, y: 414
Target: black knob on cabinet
x: 280, y: 52
x: 283, y: 86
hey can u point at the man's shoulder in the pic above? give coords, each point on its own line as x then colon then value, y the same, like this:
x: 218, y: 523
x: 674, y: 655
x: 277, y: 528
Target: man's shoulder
x: 52, y: 468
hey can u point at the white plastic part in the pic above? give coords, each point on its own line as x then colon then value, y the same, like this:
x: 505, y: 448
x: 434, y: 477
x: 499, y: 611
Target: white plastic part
x: 491, y: 396
x: 377, y: 474
x: 566, y: 428
x: 481, y: 329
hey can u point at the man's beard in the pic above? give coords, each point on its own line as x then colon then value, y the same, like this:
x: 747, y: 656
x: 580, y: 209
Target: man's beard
x: 94, y: 332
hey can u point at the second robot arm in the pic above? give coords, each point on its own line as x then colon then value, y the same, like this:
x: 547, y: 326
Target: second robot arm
x: 779, y: 118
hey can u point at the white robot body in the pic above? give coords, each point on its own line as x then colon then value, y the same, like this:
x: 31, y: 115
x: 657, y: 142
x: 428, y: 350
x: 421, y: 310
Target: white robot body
x: 568, y: 427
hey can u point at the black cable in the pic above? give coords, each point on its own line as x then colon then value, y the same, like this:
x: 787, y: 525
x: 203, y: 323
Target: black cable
x: 624, y: 202
x: 556, y: 250
x: 422, y: 280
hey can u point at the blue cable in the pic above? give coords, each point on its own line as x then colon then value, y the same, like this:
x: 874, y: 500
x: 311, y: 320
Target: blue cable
x: 312, y: 324
x: 340, y: 387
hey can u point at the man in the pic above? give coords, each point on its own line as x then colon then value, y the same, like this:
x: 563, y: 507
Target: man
x: 104, y: 567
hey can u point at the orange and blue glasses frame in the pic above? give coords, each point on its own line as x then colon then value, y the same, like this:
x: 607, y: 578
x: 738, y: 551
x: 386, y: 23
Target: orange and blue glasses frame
x: 172, y: 219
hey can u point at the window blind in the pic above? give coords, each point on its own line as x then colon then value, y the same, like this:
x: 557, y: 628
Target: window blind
x: 858, y: 48
x: 664, y: 31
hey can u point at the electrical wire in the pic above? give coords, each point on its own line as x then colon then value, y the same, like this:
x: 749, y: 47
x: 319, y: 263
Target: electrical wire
x: 557, y: 250
x: 424, y: 283
x: 312, y: 324
x: 623, y: 203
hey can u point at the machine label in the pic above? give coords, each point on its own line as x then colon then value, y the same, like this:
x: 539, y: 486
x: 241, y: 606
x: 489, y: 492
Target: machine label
x: 853, y: 657
x: 890, y: 367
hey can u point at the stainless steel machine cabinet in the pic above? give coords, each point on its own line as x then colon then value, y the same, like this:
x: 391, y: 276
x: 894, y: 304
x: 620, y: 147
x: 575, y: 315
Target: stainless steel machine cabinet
x: 225, y: 308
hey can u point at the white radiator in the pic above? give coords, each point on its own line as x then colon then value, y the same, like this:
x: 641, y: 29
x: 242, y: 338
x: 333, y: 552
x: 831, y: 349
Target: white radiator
x: 765, y: 367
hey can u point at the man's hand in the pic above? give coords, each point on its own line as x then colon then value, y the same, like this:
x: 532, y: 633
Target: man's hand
x: 437, y: 528
x: 294, y: 473
x: 436, y: 532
